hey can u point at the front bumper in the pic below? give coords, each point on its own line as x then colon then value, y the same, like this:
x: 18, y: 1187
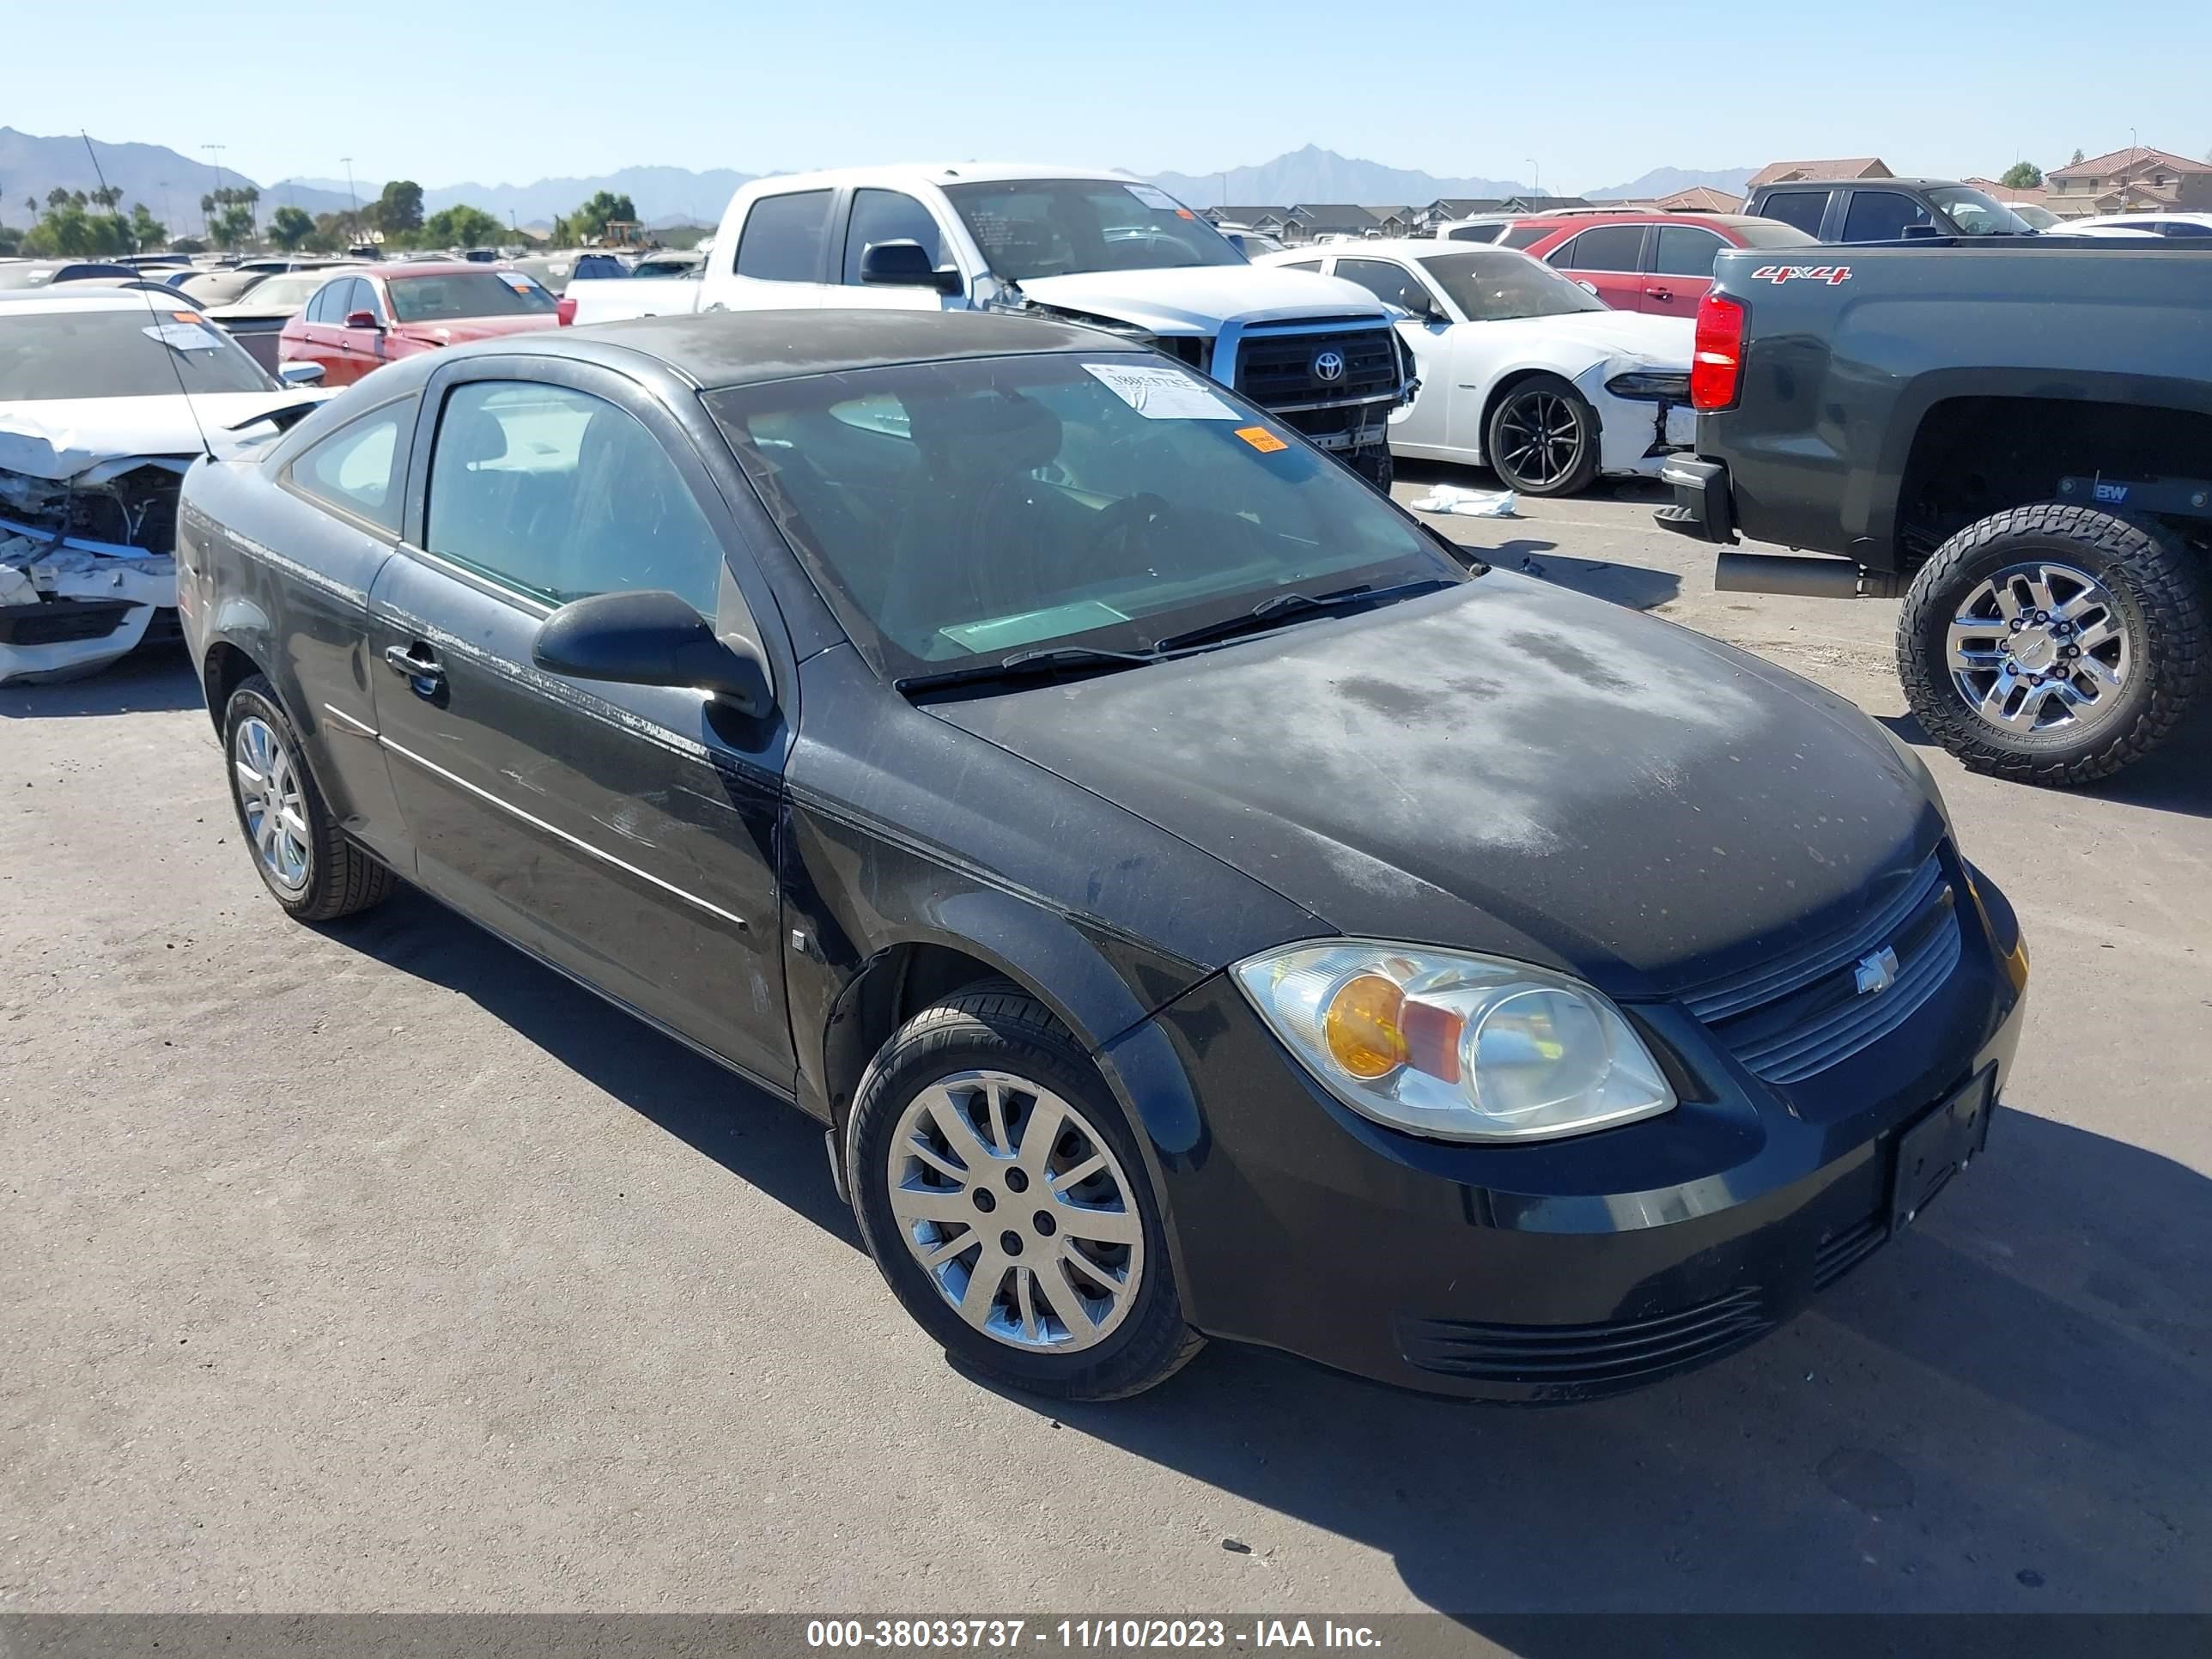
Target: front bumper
x: 1568, y: 1269
x: 69, y: 608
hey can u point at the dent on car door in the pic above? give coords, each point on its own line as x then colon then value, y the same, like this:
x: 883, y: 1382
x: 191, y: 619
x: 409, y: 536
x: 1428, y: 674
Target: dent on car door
x: 626, y: 833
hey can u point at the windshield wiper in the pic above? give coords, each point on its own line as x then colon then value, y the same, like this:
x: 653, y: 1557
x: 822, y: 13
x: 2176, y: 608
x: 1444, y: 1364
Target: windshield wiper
x: 1048, y: 664
x: 1279, y: 608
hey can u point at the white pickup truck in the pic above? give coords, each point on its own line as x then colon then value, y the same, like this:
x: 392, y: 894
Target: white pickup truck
x: 1103, y: 248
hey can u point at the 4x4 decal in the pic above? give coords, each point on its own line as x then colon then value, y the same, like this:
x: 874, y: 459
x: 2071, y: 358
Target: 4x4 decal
x: 1829, y: 274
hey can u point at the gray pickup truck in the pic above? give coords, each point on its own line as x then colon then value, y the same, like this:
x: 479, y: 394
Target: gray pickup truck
x: 2015, y: 435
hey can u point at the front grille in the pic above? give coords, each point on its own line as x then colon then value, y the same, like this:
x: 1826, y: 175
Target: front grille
x: 1789, y: 1020
x: 1276, y: 370
x: 1582, y: 1357
x: 1840, y: 1253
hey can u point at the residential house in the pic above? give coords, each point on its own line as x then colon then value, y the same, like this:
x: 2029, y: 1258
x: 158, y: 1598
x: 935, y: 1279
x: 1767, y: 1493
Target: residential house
x: 1272, y: 219
x: 2130, y: 181
x: 1792, y: 172
x: 1699, y: 198
x: 1458, y: 207
x: 1310, y: 222
x: 1396, y: 221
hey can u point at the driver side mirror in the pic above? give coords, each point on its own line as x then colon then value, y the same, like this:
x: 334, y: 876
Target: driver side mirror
x: 1423, y: 309
x: 361, y: 319
x: 905, y: 265
x: 649, y: 636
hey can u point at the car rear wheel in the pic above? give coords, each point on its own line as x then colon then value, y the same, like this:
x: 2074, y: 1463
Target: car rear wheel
x: 302, y: 858
x: 1000, y: 1194
x: 1543, y: 438
x: 2053, y: 644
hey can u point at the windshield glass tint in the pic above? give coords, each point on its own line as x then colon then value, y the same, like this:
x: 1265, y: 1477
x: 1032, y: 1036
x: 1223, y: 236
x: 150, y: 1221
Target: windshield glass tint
x: 1976, y: 214
x: 959, y: 511
x: 466, y: 294
x: 109, y: 354
x: 1489, y: 287
x: 1051, y: 228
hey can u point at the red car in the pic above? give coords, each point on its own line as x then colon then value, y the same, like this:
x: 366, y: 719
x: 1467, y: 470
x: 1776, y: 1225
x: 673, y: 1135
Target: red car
x: 360, y: 318
x: 1654, y: 261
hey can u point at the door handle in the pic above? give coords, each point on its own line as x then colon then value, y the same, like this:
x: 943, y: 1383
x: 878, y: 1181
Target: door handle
x: 424, y: 673
x: 1667, y: 293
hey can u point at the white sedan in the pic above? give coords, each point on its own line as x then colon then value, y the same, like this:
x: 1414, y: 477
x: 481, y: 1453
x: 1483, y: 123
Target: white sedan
x: 1521, y: 370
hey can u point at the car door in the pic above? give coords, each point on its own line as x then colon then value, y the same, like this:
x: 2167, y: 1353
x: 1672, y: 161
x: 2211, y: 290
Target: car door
x: 1608, y: 261
x: 1682, y: 270
x: 361, y: 349
x: 1805, y: 209
x: 782, y: 261
x: 313, y: 338
x: 870, y: 216
x: 1424, y: 426
x: 1882, y: 215
x: 626, y: 834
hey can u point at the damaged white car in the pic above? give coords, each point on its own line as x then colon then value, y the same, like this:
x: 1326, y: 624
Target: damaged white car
x: 106, y: 398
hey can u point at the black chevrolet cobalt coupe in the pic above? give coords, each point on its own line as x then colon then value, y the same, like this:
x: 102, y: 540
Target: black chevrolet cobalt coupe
x: 1195, y: 899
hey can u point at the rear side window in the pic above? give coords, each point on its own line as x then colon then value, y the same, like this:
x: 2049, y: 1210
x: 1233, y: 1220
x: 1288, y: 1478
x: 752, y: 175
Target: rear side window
x: 1608, y: 247
x: 1881, y: 216
x: 783, y: 237
x: 559, y: 495
x: 1686, y: 251
x: 1474, y: 234
x: 351, y: 470
x: 886, y: 215
x: 1801, y: 208
x: 323, y: 307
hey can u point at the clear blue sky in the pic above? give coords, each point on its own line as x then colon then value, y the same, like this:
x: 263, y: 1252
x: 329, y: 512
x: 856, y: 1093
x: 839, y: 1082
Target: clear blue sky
x: 1595, y: 92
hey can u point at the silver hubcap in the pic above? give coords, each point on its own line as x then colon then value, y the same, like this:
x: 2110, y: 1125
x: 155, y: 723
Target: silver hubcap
x: 269, y: 795
x: 2040, y: 648
x: 1540, y: 437
x: 1018, y: 1210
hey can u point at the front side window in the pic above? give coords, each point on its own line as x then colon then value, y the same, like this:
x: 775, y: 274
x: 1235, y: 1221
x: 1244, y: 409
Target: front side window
x: 1802, y: 208
x: 560, y: 495
x: 461, y: 294
x: 153, y: 350
x: 1881, y: 216
x: 1032, y: 228
x: 1388, y: 282
x: 782, y: 238
x: 966, y: 509
x: 887, y: 216
x: 1489, y: 285
x: 351, y: 470
x: 1686, y: 251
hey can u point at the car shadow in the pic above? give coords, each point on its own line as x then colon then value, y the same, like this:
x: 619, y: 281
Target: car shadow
x: 757, y: 1138
x: 1638, y: 586
x: 2008, y: 1407
x: 2176, y: 777
x: 151, y: 680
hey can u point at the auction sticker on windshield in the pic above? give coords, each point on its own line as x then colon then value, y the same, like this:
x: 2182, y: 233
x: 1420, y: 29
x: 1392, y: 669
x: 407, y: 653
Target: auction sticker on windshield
x: 1160, y: 394
x: 1260, y: 439
x: 185, y: 337
x: 1152, y: 196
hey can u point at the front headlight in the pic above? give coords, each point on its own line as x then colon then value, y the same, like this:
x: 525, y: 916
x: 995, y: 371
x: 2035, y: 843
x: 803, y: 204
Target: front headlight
x: 1454, y: 1046
x: 1651, y: 385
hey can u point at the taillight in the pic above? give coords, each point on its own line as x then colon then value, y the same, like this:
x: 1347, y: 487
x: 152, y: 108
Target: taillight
x: 565, y: 309
x: 1717, y: 356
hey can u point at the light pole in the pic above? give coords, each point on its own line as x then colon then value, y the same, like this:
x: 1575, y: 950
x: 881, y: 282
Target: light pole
x: 1538, y: 185
x: 353, y: 201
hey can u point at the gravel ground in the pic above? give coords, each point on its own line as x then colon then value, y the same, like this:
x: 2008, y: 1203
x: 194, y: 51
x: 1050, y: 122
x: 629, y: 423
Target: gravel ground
x: 379, y: 1268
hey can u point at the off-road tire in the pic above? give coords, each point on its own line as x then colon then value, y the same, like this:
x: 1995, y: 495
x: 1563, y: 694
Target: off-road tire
x: 995, y: 1026
x: 2158, y: 585
x: 342, y: 879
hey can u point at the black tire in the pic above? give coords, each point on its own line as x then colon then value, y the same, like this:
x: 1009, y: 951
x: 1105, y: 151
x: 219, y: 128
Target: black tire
x: 340, y: 878
x: 1543, y: 399
x: 2156, y: 585
x: 996, y: 1027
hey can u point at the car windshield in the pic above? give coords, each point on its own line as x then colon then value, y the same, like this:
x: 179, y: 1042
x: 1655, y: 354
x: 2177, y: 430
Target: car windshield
x: 954, y: 513
x: 457, y: 294
x: 1030, y: 228
x: 1976, y: 214
x: 292, y: 289
x: 120, y: 352
x: 1493, y: 286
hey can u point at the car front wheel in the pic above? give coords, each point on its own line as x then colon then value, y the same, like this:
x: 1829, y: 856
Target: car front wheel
x: 1542, y: 438
x: 302, y: 858
x: 2053, y: 644
x: 1000, y: 1194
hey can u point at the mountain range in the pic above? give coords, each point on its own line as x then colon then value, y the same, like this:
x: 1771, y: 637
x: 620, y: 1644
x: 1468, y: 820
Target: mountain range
x: 172, y: 184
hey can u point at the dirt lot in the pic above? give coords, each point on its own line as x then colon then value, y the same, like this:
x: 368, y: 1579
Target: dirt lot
x: 379, y: 1268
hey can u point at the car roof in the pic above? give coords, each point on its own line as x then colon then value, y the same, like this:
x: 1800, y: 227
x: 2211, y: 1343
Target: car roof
x: 944, y: 172
x: 1399, y: 247
x: 85, y: 298
x: 405, y: 269
x: 746, y: 348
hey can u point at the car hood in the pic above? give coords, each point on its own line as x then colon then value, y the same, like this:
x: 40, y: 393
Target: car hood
x: 452, y: 330
x: 1183, y: 299
x: 1505, y: 766
x: 1663, y: 341
x: 60, y: 438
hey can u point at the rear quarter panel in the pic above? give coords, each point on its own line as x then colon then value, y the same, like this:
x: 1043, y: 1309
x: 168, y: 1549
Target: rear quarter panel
x: 1840, y: 368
